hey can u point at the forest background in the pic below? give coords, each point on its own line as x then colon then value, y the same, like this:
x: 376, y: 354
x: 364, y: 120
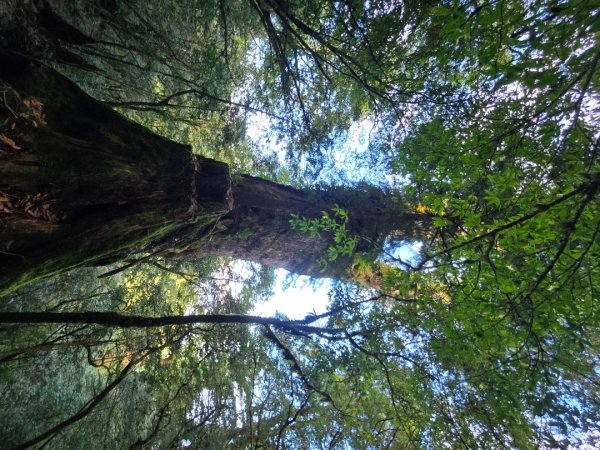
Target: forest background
x: 479, y: 152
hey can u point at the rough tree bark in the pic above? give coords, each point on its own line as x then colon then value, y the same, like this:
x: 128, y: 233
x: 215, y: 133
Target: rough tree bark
x: 258, y: 229
x: 82, y: 185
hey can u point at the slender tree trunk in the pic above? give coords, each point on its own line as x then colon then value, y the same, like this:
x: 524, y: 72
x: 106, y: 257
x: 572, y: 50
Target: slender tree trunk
x: 82, y: 185
x: 111, y: 319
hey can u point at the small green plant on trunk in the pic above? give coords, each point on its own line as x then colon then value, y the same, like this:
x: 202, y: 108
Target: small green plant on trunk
x: 334, y: 225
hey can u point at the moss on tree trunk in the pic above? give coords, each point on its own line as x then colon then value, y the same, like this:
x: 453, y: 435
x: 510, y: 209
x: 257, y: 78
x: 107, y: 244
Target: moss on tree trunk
x: 258, y: 226
x: 82, y: 185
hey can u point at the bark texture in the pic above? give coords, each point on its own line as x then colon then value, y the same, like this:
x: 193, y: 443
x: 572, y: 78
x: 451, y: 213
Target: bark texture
x: 258, y: 227
x: 82, y: 185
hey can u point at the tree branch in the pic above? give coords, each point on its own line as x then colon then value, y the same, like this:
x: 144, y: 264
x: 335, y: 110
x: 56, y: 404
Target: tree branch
x: 83, y: 412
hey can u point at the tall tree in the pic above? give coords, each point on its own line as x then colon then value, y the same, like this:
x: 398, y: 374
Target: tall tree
x: 83, y: 185
x: 485, y: 112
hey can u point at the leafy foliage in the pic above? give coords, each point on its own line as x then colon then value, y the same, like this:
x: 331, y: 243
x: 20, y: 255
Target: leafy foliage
x: 487, y: 114
x: 344, y: 244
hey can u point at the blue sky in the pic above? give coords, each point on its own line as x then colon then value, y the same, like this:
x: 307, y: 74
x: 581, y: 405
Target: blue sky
x: 296, y: 300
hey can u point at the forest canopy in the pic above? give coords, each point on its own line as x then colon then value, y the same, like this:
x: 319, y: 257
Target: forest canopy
x: 438, y: 160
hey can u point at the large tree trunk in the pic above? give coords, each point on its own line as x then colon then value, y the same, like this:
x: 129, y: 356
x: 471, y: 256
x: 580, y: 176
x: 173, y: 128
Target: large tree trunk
x: 82, y: 185
x: 258, y: 227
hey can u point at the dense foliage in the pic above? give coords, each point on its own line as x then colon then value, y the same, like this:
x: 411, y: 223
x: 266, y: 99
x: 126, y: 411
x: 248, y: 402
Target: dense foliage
x: 485, y: 115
